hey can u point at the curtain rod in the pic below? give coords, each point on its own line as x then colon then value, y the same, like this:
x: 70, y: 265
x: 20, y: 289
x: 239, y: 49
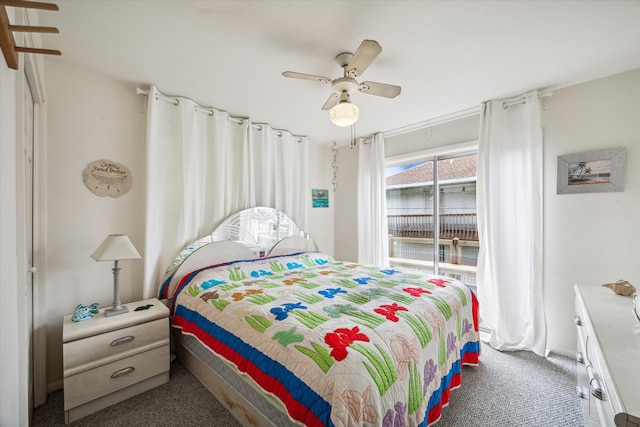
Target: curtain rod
x: 199, y: 108
x: 469, y: 112
x: 522, y: 99
x: 433, y: 122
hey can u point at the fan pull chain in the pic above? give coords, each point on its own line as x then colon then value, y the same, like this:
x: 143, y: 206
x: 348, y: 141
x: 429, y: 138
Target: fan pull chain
x: 354, y: 140
x: 334, y: 165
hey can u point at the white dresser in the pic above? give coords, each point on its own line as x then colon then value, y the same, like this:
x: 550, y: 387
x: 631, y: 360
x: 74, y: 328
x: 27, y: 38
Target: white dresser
x: 109, y: 359
x: 608, y: 357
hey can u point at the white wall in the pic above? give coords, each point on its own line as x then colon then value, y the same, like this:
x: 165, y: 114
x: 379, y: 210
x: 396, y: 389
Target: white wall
x: 89, y: 118
x: 321, y: 220
x: 588, y: 238
x: 345, y: 212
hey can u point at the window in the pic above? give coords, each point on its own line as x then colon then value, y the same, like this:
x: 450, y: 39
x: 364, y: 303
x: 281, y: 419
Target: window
x: 411, y: 203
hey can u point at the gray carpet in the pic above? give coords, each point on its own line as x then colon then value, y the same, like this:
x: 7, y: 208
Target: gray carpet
x: 506, y: 389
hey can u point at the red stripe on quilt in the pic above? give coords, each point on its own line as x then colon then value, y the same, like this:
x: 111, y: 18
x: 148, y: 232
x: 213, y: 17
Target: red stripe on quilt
x: 475, y: 309
x: 470, y: 358
x: 271, y: 384
x: 436, y: 412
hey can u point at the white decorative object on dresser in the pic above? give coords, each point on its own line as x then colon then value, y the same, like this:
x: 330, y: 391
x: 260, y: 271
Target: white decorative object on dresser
x: 607, y: 357
x: 109, y: 359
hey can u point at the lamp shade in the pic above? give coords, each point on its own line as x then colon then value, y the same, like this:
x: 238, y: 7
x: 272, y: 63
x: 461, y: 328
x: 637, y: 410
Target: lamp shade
x: 344, y: 114
x: 115, y: 247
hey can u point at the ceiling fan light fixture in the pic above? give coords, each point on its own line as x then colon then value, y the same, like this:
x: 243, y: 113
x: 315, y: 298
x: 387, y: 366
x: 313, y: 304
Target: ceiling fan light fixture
x: 344, y: 114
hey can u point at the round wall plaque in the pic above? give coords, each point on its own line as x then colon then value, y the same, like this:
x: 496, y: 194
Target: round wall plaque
x: 107, y: 178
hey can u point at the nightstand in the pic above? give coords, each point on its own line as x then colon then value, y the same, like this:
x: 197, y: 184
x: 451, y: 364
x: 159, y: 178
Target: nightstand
x: 110, y: 359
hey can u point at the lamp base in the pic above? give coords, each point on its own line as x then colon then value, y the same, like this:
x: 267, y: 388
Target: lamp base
x: 115, y: 311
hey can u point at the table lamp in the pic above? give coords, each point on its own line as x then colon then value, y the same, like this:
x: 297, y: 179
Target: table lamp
x: 114, y: 248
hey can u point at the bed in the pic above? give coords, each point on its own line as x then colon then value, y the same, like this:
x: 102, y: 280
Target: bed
x: 283, y: 334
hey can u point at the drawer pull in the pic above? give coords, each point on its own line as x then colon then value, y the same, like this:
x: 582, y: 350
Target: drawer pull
x: 596, y: 389
x: 122, y: 340
x: 577, y: 320
x: 579, y: 357
x: 582, y: 394
x: 123, y: 371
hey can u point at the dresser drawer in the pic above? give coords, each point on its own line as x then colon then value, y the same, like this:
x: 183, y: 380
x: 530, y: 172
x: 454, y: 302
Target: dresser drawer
x: 99, y: 349
x: 102, y: 380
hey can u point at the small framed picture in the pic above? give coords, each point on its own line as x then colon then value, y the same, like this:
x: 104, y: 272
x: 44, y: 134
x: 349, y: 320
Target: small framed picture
x: 592, y: 171
x: 320, y: 198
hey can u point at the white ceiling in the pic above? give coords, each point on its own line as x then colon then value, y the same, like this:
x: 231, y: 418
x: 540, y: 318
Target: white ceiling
x: 448, y: 56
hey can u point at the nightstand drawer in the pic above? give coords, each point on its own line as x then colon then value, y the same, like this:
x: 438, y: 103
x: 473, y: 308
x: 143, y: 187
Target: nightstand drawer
x: 90, y: 352
x: 102, y: 380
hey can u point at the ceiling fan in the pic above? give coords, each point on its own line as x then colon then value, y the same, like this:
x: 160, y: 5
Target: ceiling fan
x: 342, y: 111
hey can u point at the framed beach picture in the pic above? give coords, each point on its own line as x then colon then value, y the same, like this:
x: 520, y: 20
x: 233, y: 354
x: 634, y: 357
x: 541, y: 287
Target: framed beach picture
x: 592, y: 171
x: 320, y: 198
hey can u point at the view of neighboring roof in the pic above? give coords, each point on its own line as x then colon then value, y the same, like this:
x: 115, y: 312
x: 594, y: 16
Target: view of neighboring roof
x: 456, y: 168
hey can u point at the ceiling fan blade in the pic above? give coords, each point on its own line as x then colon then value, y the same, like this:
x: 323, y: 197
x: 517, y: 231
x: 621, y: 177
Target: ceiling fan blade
x: 303, y: 76
x: 331, y: 101
x: 364, y: 56
x: 379, y: 89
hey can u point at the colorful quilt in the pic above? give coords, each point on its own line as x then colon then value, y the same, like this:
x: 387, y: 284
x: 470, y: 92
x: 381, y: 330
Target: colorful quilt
x: 339, y: 344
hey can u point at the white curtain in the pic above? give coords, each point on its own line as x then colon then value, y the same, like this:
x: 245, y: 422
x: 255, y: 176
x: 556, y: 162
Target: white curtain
x: 201, y: 167
x: 510, y: 224
x: 373, y: 230
x: 280, y: 172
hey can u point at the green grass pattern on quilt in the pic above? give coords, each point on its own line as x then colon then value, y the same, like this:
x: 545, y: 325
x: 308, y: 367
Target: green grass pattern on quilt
x: 419, y: 326
x: 356, y: 298
x: 401, y: 298
x: 270, y: 285
x: 307, y: 285
x: 349, y: 284
x: 220, y: 304
x: 259, y: 323
x: 319, y: 354
x: 462, y: 295
x: 381, y: 368
x: 416, y: 396
x: 308, y: 298
x: 229, y: 287
x: 277, y: 266
x: 193, y: 290
x: 442, y: 350
x: 261, y: 299
x: 386, y: 284
x: 309, y: 319
x: 306, y: 260
x: 370, y: 320
x: 236, y: 275
x: 411, y: 276
x: 366, y: 319
x: 442, y: 305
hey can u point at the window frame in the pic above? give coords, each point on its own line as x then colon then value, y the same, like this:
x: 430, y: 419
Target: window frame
x: 435, y: 155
